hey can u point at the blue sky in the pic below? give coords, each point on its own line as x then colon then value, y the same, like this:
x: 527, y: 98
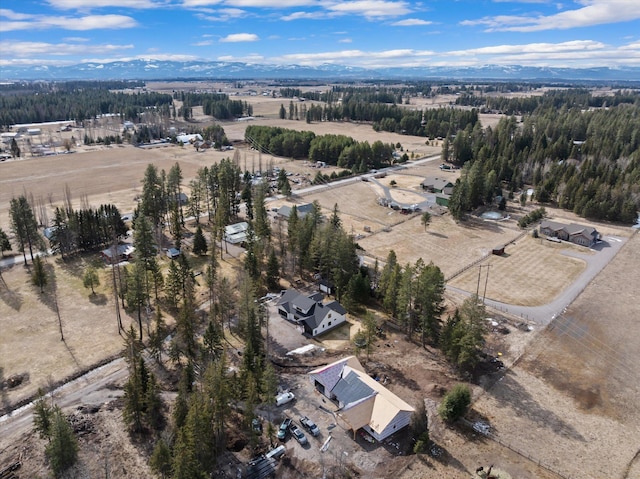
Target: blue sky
x: 362, y: 33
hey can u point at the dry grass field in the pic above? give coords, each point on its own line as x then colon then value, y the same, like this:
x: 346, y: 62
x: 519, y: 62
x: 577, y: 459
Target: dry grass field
x: 531, y: 272
x: 573, y: 400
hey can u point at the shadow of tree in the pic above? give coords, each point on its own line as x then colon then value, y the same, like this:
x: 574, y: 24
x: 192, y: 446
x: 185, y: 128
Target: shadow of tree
x: 48, y: 296
x: 509, y: 393
x: 443, y: 456
x: 13, y: 299
x: 439, y: 235
x: 99, y: 299
x: 4, y: 399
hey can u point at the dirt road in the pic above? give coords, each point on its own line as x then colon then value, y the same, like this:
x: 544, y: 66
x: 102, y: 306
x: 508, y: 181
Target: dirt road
x: 93, y: 388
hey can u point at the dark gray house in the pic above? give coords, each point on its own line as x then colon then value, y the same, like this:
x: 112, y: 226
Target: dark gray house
x: 310, y: 312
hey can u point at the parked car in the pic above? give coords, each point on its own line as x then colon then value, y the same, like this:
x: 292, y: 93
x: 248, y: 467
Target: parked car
x: 284, y: 427
x: 310, y: 426
x: 298, y: 434
x: 256, y: 425
x: 284, y: 398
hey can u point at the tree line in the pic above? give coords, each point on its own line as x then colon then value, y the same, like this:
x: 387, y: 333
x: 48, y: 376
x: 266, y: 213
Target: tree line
x: 78, y: 105
x: 217, y: 105
x: 339, y: 150
x: 584, y: 161
x: 570, y: 98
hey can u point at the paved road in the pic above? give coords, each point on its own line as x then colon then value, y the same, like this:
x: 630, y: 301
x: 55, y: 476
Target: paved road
x: 543, y: 315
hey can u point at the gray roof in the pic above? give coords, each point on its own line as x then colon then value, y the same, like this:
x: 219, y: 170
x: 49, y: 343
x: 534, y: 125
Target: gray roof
x: 312, y: 305
x: 350, y: 388
x: 302, y: 210
x: 436, y: 183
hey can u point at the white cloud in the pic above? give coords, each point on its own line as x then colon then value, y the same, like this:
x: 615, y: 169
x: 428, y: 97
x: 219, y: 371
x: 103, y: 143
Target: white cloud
x: 43, y: 22
x: 25, y: 49
x: 222, y: 15
x: 304, y: 16
x: 240, y: 37
x: 75, y: 39
x: 89, y: 4
x: 366, y: 59
x: 577, y: 53
x: 200, y: 3
x: 545, y: 48
x: 270, y: 3
x: 593, y: 12
x: 411, y: 22
x: 371, y: 8
x: 203, y: 43
x: 345, y: 40
x: 252, y: 58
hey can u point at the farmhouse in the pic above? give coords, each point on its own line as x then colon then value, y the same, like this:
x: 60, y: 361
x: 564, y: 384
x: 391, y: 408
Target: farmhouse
x: 122, y: 252
x: 316, y: 317
x: 236, y: 233
x: 363, y: 403
x: 575, y: 233
x: 437, y: 185
x: 302, y: 210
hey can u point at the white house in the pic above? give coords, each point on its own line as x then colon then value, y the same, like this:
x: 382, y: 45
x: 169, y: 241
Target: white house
x: 236, y: 233
x: 363, y: 403
x: 315, y: 316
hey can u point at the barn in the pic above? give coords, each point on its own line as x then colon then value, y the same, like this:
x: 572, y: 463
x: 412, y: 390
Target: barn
x: 363, y: 403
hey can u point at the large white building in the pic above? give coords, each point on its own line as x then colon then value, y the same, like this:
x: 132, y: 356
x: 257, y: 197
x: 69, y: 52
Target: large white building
x: 363, y: 403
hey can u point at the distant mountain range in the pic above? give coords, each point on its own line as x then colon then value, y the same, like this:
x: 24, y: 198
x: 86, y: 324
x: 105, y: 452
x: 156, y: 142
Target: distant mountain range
x: 191, y: 70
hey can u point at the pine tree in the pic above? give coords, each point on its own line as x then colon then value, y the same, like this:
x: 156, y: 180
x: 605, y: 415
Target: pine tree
x: 160, y: 460
x: 90, y: 279
x: 199, y: 242
x: 42, y: 416
x: 62, y: 450
x: 5, y: 245
x: 39, y: 275
x: 24, y: 226
x: 273, y: 271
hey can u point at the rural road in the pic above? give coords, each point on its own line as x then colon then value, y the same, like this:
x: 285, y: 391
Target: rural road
x: 544, y: 314
x: 92, y: 389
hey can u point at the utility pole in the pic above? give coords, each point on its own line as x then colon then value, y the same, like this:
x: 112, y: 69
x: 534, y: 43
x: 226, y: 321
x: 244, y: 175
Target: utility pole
x: 484, y: 295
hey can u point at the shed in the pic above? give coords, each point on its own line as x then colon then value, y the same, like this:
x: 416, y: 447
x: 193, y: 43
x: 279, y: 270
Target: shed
x: 498, y: 250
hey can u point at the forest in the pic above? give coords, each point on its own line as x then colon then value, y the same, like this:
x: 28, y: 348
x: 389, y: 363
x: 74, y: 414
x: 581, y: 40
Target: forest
x: 339, y: 150
x: 79, y: 105
x: 586, y: 161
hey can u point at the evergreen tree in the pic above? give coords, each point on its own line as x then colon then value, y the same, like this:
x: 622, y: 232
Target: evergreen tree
x: 273, y: 272
x: 42, y: 416
x: 39, y: 275
x: 62, y: 449
x: 160, y: 460
x: 5, y: 245
x: 90, y: 279
x: 24, y: 226
x: 455, y: 403
x: 199, y: 242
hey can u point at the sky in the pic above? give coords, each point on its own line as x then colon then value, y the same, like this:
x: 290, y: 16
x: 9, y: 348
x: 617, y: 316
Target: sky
x: 356, y: 33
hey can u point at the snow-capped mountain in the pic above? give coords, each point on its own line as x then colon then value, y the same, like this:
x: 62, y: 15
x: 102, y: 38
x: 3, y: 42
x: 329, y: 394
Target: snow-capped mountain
x: 163, y: 70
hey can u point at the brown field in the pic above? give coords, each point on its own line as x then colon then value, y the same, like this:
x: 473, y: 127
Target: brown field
x: 573, y: 400
x: 517, y: 277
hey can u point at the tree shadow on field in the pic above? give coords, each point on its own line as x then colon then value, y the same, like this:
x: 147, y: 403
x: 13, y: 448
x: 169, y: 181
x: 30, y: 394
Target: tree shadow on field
x: 439, y: 235
x: 13, y: 299
x: 3, y: 393
x: 99, y: 299
x: 508, y: 392
x: 74, y: 265
x: 48, y: 297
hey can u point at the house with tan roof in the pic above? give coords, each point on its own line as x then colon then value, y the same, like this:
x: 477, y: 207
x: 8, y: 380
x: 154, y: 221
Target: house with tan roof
x: 363, y: 403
